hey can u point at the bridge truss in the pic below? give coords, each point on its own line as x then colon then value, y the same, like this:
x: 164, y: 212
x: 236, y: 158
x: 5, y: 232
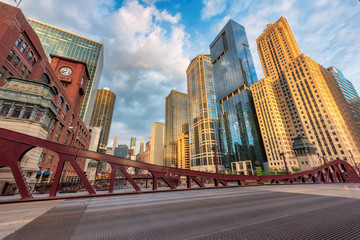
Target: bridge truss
x: 14, y: 145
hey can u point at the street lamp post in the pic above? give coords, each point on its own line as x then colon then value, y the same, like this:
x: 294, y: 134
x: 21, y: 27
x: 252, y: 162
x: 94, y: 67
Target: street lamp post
x: 352, y: 158
x: 286, y: 167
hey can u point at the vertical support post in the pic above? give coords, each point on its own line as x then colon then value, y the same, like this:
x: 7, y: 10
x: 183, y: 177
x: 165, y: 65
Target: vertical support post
x: 57, y: 177
x: 155, y: 181
x: 188, y: 178
x: 112, y: 179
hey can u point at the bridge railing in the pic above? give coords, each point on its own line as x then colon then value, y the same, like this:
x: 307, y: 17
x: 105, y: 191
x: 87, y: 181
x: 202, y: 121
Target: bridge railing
x: 15, y: 145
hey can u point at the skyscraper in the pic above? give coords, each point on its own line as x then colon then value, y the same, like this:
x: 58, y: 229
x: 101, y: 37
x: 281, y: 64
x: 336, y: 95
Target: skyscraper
x: 347, y: 88
x: 102, y: 115
x: 66, y: 44
x: 303, y: 100
x: 142, y: 146
x: 202, y: 114
x: 132, y: 146
x: 350, y: 94
x: 157, y: 141
x: 121, y: 151
x: 176, y: 119
x: 233, y: 74
x: 183, y: 156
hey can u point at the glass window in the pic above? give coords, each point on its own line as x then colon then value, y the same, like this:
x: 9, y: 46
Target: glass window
x: 38, y: 115
x: 18, y: 42
x: 24, y: 47
x: 45, y: 78
x: 50, y: 158
x: 23, y: 70
x: 30, y: 56
x: 16, y: 62
x: 16, y: 111
x: 4, y: 111
x: 3, y: 71
x: 42, y: 158
x: 57, y: 136
x: 27, y: 113
x: 33, y: 62
x: 61, y: 101
x: 10, y: 56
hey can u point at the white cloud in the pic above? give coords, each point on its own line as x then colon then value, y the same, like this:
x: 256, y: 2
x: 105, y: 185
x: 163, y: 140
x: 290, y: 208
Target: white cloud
x: 143, y: 58
x: 212, y: 8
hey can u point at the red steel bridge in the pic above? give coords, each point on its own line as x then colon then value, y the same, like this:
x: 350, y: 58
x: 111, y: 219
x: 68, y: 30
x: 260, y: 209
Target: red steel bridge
x: 14, y: 145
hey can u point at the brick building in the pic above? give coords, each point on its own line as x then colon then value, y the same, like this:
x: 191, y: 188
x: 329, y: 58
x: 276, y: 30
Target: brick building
x: 39, y: 98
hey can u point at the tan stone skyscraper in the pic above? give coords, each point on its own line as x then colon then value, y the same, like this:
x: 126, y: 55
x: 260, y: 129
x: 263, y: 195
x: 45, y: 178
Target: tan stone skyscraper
x: 183, y: 156
x: 102, y: 115
x: 299, y: 97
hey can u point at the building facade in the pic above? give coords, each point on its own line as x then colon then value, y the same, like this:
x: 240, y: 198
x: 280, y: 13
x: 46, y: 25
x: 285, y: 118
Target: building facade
x: 176, y: 122
x: 33, y: 99
x: 102, y: 115
x: 132, y: 146
x: 157, y: 142
x: 308, y: 100
x: 63, y: 43
x: 202, y: 114
x: 233, y: 74
x: 121, y: 151
x: 183, y: 153
x: 141, y: 146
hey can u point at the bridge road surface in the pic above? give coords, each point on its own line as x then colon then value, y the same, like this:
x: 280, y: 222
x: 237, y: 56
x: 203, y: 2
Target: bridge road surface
x: 314, y: 211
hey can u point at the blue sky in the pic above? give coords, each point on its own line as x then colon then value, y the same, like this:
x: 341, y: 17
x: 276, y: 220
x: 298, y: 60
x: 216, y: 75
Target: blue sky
x: 149, y: 43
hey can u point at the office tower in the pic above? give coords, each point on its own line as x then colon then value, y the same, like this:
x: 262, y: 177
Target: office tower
x: 176, y: 117
x: 305, y: 100
x: 102, y: 115
x: 141, y: 146
x: 114, y: 144
x: 202, y: 115
x: 350, y: 94
x: 157, y: 141
x: 233, y: 74
x: 144, y: 156
x: 132, y: 146
x: 274, y: 132
x: 121, y: 151
x: 63, y: 43
x: 347, y: 88
x: 183, y: 156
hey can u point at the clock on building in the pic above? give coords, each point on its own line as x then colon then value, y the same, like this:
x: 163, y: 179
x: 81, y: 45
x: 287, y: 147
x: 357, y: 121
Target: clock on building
x: 65, y: 71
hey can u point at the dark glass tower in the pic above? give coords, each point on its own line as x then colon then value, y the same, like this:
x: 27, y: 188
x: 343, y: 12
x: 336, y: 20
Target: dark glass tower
x: 233, y: 74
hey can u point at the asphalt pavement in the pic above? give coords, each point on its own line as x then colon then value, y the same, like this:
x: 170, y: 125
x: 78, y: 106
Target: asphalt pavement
x: 314, y: 211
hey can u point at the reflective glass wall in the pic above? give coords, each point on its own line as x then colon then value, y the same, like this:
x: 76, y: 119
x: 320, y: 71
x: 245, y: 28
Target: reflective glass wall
x: 233, y: 73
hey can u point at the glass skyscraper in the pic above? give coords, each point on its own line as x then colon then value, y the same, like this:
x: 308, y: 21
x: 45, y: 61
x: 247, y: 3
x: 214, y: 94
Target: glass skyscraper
x: 176, y: 123
x: 347, y: 88
x: 349, y: 92
x: 233, y: 74
x: 202, y: 112
x: 66, y: 44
